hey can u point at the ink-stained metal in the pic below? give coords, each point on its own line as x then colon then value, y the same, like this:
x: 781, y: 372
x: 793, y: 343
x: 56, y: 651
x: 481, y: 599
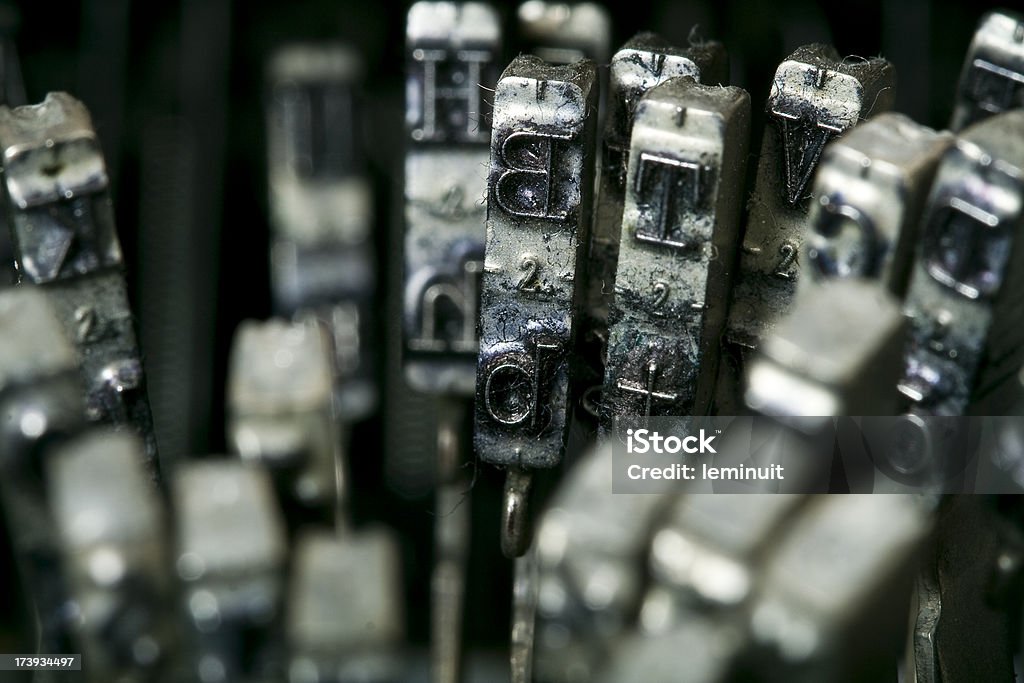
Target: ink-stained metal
x: 644, y: 62
x: 539, y: 191
x: 679, y: 236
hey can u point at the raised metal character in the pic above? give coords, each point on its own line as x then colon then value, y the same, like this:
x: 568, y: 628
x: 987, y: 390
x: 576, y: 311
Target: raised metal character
x: 967, y: 334
x: 63, y: 225
x: 345, y: 617
x: 230, y: 557
x: 869, y: 196
x: 641, y: 64
x: 992, y: 80
x: 679, y: 236
x: 321, y: 208
x: 110, y: 519
x: 538, y: 213
x: 281, y: 411
x: 452, y: 57
x: 815, y: 97
x: 453, y: 52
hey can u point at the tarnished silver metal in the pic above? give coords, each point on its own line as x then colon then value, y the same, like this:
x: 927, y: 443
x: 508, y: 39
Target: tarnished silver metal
x: 589, y: 549
x: 516, y: 533
x: 524, y: 617
x: 452, y: 62
x: 704, y: 555
x: 967, y: 332
x: 537, y: 222
x: 564, y: 33
x: 281, y: 410
x: 869, y: 194
x: 321, y: 208
x: 345, y: 609
x: 815, y: 97
x: 538, y: 216
x: 961, y: 627
x: 63, y: 224
x: 641, y: 64
x: 230, y: 555
x: 679, y: 235
x: 110, y: 520
x: 838, y: 585
x: 451, y: 544
x: 992, y: 79
x: 41, y: 398
x: 838, y: 353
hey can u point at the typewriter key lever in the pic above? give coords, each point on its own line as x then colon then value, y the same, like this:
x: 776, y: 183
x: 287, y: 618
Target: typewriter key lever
x: 58, y: 198
x: 538, y: 214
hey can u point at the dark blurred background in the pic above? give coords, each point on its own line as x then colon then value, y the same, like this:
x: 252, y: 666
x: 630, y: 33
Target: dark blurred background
x: 176, y: 93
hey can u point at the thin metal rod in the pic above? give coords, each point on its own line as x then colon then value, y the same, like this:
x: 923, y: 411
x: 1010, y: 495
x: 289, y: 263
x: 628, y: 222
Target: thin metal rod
x: 524, y: 614
x: 451, y: 535
x: 515, y: 522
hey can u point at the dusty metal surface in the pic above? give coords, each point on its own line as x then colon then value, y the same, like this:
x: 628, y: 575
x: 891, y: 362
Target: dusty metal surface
x: 815, y: 97
x: 679, y: 236
x: 63, y: 226
x: 538, y: 208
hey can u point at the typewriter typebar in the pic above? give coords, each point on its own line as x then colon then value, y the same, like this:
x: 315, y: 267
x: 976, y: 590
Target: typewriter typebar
x: 679, y: 235
x: 967, y: 336
x: 992, y: 80
x: 869, y: 196
x: 321, y: 208
x: 815, y: 97
x: 41, y: 396
x: 110, y: 520
x: 345, y: 610
x: 538, y: 209
x: 831, y: 584
x: 452, y: 62
x: 590, y: 547
x: 62, y: 220
x: 281, y: 410
x: 820, y: 364
x: 230, y: 554
x: 641, y: 64
x: 705, y: 553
